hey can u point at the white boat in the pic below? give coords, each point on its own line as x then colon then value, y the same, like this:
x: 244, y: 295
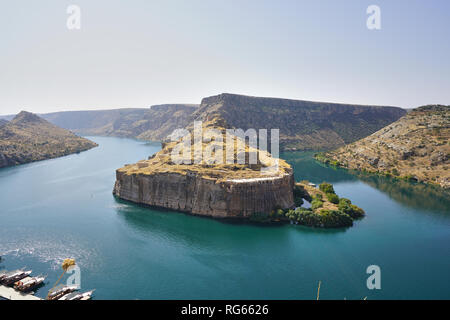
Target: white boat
x: 28, y: 283
x: 14, y: 276
x: 77, y: 296
x: 60, y: 291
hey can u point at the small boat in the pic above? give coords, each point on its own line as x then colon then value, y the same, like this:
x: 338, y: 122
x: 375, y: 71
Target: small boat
x: 60, y: 291
x: 14, y: 276
x: 77, y: 296
x: 28, y: 283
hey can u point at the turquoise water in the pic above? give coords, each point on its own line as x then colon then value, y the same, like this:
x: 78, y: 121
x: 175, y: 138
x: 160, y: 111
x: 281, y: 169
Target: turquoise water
x: 64, y: 207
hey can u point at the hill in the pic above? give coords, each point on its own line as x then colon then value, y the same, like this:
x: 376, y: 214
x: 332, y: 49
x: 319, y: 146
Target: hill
x: 416, y: 147
x: 149, y: 124
x: 28, y: 138
x: 304, y: 125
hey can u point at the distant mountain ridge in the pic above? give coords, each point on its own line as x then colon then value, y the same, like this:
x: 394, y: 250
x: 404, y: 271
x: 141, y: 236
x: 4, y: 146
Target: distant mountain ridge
x: 303, y: 125
x: 154, y: 123
x: 28, y: 137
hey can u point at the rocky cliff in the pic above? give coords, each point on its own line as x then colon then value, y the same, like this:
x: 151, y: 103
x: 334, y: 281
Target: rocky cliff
x: 217, y: 190
x: 303, y: 125
x: 191, y: 192
x: 28, y: 138
x: 416, y: 147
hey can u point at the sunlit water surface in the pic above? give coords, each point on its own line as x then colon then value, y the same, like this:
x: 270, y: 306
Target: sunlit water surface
x: 61, y: 208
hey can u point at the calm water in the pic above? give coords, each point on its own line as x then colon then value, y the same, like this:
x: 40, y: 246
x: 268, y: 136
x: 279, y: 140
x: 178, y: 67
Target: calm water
x: 63, y: 208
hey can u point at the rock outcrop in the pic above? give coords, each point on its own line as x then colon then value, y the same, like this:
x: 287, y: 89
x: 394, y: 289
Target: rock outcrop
x: 28, y: 138
x: 415, y: 147
x: 218, y: 190
x: 303, y: 125
x: 193, y: 193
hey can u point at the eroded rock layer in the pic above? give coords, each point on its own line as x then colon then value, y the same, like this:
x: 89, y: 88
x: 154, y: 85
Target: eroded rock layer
x: 195, y: 194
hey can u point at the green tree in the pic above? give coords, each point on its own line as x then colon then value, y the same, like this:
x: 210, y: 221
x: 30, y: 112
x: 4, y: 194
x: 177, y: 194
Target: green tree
x: 326, y: 187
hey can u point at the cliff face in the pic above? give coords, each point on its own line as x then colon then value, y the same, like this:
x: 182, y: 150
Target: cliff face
x: 303, y: 124
x: 28, y: 138
x: 218, y: 190
x: 416, y: 147
x: 198, y: 195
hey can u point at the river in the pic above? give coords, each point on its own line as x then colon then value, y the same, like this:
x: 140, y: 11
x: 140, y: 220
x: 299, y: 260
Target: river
x: 60, y: 208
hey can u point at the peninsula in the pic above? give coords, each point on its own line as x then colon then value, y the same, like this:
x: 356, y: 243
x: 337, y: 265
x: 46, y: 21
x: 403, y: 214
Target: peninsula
x: 28, y: 138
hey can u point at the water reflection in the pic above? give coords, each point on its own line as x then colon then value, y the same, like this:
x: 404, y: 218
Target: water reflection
x: 306, y: 168
x: 413, y: 195
x: 196, y: 231
x: 427, y: 198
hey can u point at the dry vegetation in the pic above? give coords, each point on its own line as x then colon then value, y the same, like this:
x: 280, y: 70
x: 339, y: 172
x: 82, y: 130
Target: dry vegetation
x: 29, y: 138
x: 209, y: 165
x: 416, y: 147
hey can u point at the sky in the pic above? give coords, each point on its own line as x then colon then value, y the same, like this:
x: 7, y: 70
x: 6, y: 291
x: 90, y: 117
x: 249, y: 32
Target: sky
x: 137, y: 53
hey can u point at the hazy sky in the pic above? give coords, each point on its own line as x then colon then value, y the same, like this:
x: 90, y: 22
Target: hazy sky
x: 137, y: 53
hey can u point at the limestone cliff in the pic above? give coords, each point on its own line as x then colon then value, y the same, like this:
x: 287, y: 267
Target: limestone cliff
x: 217, y: 190
x: 303, y: 125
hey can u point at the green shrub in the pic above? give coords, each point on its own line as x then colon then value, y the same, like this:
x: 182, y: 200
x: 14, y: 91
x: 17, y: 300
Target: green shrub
x: 335, y: 219
x: 333, y: 198
x: 280, y: 213
x: 335, y: 163
x: 357, y: 212
x: 346, y: 206
x: 316, y: 204
x: 299, y: 194
x: 326, y: 187
x: 324, y: 219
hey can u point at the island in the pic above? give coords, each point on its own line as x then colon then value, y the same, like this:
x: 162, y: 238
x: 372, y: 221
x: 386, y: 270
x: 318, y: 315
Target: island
x: 263, y: 192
